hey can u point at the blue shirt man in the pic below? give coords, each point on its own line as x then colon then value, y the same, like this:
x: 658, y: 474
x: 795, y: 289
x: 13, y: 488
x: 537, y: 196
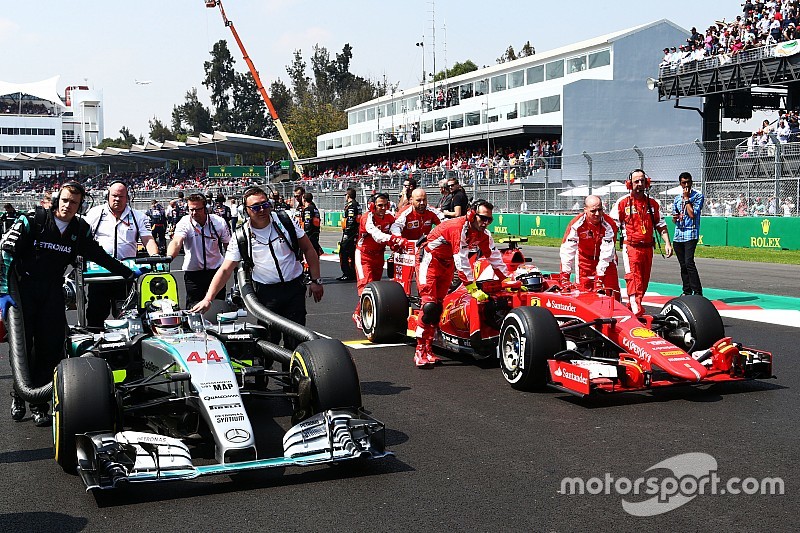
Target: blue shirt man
x: 686, y: 208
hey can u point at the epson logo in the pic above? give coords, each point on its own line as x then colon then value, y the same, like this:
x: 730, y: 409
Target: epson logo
x: 561, y: 307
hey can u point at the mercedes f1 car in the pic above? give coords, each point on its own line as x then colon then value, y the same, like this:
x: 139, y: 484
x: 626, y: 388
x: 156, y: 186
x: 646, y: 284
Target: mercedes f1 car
x: 130, y: 402
x: 545, y: 333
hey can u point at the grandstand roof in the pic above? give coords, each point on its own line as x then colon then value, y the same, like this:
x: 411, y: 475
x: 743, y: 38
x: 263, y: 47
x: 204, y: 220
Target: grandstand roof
x: 45, y: 89
x: 215, y: 144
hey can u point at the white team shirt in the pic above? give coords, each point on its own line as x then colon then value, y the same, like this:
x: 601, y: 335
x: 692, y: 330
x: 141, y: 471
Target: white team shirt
x: 265, y: 266
x: 202, y: 243
x: 118, y: 237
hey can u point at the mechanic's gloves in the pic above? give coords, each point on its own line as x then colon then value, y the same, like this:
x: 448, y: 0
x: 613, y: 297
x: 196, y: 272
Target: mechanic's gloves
x: 398, y: 243
x: 599, y: 286
x: 476, y: 293
x: 6, y: 301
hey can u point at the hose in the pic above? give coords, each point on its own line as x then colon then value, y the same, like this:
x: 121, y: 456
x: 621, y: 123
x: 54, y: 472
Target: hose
x: 18, y: 353
x: 270, y: 318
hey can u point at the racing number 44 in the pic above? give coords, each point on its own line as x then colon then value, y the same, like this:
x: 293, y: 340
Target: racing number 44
x: 195, y: 357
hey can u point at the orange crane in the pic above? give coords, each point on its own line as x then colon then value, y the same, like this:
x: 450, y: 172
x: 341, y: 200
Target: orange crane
x: 273, y: 113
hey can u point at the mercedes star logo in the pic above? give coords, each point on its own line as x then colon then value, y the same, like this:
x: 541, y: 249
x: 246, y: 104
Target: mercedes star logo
x: 237, y: 435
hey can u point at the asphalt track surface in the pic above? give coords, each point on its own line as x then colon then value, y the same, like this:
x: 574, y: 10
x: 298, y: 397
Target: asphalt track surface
x: 471, y: 452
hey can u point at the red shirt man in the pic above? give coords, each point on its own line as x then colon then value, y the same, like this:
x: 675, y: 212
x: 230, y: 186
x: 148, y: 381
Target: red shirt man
x: 637, y: 215
x: 417, y: 218
x: 589, y: 243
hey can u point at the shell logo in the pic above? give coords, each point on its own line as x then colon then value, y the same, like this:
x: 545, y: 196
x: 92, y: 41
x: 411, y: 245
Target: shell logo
x: 765, y: 226
x: 642, y: 333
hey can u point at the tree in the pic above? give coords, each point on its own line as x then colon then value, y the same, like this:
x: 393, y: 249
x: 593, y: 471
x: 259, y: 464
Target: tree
x: 527, y: 50
x: 309, y: 121
x: 281, y: 98
x: 220, y: 77
x: 159, y: 132
x: 249, y: 114
x: 508, y: 55
x: 456, y: 70
x: 125, y: 140
x: 297, y: 75
x: 192, y: 117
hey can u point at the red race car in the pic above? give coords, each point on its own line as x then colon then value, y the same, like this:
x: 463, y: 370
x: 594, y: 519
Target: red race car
x: 548, y: 334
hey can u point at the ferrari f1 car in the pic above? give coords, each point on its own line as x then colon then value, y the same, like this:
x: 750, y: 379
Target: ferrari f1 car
x: 132, y: 401
x: 545, y: 333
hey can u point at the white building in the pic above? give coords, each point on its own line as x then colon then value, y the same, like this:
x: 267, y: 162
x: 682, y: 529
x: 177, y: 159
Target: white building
x: 35, y: 118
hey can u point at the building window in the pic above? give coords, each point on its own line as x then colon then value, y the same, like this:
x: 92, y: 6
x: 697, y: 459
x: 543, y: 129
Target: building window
x: 576, y: 64
x: 362, y: 116
x: 481, y: 87
x: 351, y: 118
x: 536, y: 74
x: 427, y: 126
x: 554, y: 69
x: 440, y: 124
x: 456, y: 121
x: 512, y: 113
x: 499, y: 83
x: 516, y: 79
x: 473, y: 118
x: 366, y: 137
x: 551, y: 104
x: 346, y: 141
x: 466, y: 91
x: 600, y: 59
x: 529, y: 108
x: 337, y: 142
x: 320, y: 146
x: 371, y: 113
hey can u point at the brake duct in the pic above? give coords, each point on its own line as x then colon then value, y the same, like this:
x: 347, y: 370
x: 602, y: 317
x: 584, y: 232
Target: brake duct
x: 18, y: 353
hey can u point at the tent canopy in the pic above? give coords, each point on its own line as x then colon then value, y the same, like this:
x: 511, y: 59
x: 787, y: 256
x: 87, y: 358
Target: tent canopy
x: 45, y: 89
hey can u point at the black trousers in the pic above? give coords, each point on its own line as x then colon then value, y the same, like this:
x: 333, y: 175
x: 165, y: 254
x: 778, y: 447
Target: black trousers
x: 103, y: 298
x: 160, y: 236
x: 197, y: 283
x: 685, y: 254
x: 289, y: 301
x: 347, y: 256
x: 45, y: 328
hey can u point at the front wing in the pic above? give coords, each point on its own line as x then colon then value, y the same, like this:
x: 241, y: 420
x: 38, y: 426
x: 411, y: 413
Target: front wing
x: 108, y: 460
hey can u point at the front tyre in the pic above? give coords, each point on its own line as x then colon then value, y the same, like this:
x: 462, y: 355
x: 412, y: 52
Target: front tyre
x: 83, y: 401
x: 701, y: 315
x: 325, y: 376
x: 529, y: 336
x: 384, y: 310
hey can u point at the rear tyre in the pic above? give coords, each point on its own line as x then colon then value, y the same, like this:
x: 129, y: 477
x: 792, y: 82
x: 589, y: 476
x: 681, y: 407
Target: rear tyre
x: 325, y: 376
x: 384, y: 310
x: 529, y: 336
x: 83, y: 401
x: 701, y: 315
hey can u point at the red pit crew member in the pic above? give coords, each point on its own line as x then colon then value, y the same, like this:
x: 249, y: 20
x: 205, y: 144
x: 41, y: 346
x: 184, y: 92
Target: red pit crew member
x: 589, y: 242
x: 637, y: 215
x: 417, y: 218
x: 446, y: 250
x: 373, y: 237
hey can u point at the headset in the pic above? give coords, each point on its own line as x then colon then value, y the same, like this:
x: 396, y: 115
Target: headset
x: 127, y: 191
x: 472, y: 210
x: 629, y: 179
x: 74, y: 184
x: 374, y: 198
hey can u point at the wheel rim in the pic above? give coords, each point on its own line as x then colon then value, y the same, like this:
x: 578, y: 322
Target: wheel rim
x: 510, y: 356
x: 368, y: 313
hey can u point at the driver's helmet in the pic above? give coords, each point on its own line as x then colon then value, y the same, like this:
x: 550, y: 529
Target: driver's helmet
x: 165, y: 324
x: 530, y: 276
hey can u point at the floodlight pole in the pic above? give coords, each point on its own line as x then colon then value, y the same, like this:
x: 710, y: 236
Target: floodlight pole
x: 273, y: 113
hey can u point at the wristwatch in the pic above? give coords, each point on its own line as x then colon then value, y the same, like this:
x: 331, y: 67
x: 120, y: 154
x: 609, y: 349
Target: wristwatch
x: 318, y: 281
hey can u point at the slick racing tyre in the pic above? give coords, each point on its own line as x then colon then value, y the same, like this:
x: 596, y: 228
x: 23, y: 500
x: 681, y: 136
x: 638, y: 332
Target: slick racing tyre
x: 384, y: 310
x: 701, y: 315
x: 529, y: 336
x: 83, y: 401
x: 325, y: 376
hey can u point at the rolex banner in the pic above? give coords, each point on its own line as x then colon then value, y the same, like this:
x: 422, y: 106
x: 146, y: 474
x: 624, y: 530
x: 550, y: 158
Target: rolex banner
x: 788, y: 48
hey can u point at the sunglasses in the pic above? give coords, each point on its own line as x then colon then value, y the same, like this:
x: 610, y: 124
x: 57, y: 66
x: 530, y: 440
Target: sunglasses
x: 485, y: 218
x: 257, y: 208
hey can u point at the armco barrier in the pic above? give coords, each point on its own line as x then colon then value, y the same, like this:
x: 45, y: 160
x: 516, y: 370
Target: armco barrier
x: 744, y: 232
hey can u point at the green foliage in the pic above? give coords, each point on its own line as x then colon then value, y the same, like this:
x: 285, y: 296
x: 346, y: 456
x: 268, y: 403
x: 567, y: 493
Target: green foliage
x: 219, y: 80
x: 308, y: 121
x: 125, y: 140
x: 159, y: 132
x: 510, y: 55
x: 456, y: 70
x: 192, y: 117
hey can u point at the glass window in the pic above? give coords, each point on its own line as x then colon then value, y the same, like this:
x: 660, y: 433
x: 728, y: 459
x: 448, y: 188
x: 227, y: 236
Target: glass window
x: 529, y: 108
x: 516, y: 79
x: 391, y: 109
x: 456, y: 121
x: 473, y: 118
x: 366, y: 137
x: 362, y: 116
x: 329, y: 144
x: 551, y: 104
x: 440, y: 124
x: 600, y: 59
x: 554, y: 69
x: 320, y: 146
x: 427, y: 126
x: 466, y: 91
x: 481, y: 87
x: 381, y: 111
x: 499, y: 83
x: 346, y: 141
x: 356, y: 139
x: 412, y: 104
x: 512, y: 113
x: 337, y: 142
x: 576, y: 64
x: 351, y: 118
x: 371, y: 113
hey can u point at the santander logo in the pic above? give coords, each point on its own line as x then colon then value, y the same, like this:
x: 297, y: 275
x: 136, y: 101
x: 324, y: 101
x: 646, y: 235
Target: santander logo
x: 560, y: 372
x: 561, y: 307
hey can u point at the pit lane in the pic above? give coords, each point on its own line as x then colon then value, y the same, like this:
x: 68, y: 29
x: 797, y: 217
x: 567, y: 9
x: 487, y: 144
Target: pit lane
x: 471, y: 452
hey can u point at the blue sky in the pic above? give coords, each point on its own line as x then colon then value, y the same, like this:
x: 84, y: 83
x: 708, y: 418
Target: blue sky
x: 113, y: 43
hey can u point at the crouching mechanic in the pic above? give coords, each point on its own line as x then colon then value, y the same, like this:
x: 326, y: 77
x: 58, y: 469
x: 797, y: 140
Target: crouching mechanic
x: 447, y: 250
x: 589, y: 244
x: 37, y: 250
x: 374, y: 235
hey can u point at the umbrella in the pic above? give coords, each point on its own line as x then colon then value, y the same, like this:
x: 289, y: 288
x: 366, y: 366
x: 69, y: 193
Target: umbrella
x: 576, y: 191
x: 613, y: 187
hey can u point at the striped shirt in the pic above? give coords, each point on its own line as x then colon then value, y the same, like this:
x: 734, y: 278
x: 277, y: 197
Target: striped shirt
x: 686, y: 227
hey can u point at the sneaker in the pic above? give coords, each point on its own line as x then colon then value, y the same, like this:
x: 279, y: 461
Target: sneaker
x: 421, y: 361
x: 17, y: 408
x: 42, y: 419
x: 432, y: 359
x: 357, y: 320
